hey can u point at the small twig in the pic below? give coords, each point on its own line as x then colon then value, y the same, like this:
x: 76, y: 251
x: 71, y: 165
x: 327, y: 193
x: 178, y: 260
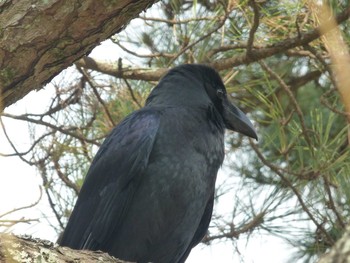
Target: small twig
x: 85, y: 150
x: 132, y: 93
x: 154, y: 55
x: 100, y: 100
x: 322, y: 61
x: 66, y: 131
x: 120, y: 69
x: 281, y: 46
x: 17, y: 153
x: 254, y: 27
x: 276, y: 170
x: 187, y: 47
x: 331, y: 203
x: 64, y: 178
x: 30, y: 148
x: 145, y: 74
x: 24, y: 207
x: 324, y: 102
x: 225, y: 48
x: 42, y: 169
x: 234, y: 232
x: 297, y: 82
x: 299, y: 53
x: 174, y: 22
x: 293, y: 100
x: 11, y: 222
x: 72, y: 99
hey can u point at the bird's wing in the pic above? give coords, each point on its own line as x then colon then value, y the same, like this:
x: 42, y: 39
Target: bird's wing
x: 201, y: 230
x: 111, y: 181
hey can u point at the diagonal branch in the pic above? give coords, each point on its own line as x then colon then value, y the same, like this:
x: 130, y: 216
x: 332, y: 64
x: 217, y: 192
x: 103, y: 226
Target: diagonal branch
x: 24, y: 207
x: 221, y: 64
x: 183, y: 50
x: 254, y: 27
x: 277, y: 171
x: 127, y: 73
x: 291, y: 96
x: 281, y: 46
x: 93, y: 85
x: 52, y: 126
x: 176, y: 21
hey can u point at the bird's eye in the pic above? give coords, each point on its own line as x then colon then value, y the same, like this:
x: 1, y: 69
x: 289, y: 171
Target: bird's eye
x: 220, y: 93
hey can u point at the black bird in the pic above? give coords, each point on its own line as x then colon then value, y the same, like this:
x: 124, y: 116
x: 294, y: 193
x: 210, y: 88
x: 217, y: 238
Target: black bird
x: 148, y: 195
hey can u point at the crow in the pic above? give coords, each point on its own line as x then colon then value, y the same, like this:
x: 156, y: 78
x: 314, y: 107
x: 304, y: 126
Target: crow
x: 148, y: 195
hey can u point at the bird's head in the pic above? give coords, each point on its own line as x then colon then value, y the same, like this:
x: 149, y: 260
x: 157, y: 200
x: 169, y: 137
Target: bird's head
x: 200, y: 85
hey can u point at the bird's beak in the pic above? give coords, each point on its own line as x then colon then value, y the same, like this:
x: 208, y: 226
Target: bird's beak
x: 237, y: 121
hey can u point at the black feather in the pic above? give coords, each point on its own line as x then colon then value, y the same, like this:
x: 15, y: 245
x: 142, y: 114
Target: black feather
x: 148, y: 195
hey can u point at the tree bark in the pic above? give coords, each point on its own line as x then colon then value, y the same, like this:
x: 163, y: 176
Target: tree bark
x: 38, y: 39
x: 26, y: 249
x: 340, y: 252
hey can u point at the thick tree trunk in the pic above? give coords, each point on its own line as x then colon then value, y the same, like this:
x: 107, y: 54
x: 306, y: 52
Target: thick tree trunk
x: 22, y: 249
x: 38, y: 39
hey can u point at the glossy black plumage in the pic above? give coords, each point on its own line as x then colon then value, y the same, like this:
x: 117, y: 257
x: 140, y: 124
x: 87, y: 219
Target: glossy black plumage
x: 148, y: 195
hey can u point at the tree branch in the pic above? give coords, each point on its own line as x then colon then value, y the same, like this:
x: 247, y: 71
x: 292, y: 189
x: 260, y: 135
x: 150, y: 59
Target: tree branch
x: 294, y: 101
x: 221, y: 64
x: 254, y: 27
x: 24, y: 207
x: 51, y: 35
x: 52, y: 126
x: 127, y: 73
x: 276, y: 170
x: 27, y: 249
x: 93, y: 85
x: 281, y: 46
x: 176, y: 21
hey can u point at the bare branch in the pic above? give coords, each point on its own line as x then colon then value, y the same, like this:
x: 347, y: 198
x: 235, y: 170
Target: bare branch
x: 329, y: 106
x: 221, y: 64
x: 281, y: 46
x: 55, y: 128
x: 153, y: 55
x: 64, y: 178
x: 113, y: 70
x: 187, y: 47
x: 331, y: 203
x: 234, y: 232
x: 174, y: 22
x: 295, y: 83
x: 7, y: 223
x: 24, y: 207
x: 17, y: 153
x: 276, y: 170
x: 42, y: 137
x: 100, y: 100
x: 43, y: 173
x: 254, y: 28
x: 132, y: 93
x: 293, y: 100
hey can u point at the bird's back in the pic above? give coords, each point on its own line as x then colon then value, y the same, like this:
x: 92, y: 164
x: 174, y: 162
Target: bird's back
x: 170, y: 201
x: 148, y: 195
